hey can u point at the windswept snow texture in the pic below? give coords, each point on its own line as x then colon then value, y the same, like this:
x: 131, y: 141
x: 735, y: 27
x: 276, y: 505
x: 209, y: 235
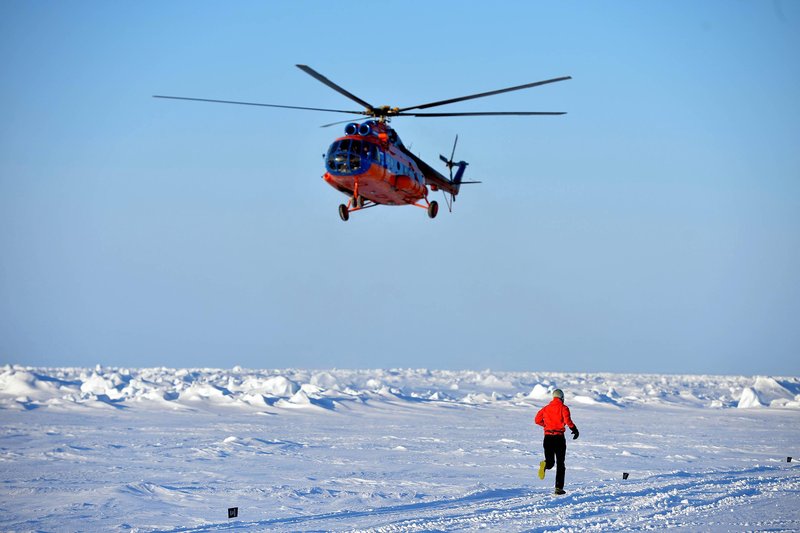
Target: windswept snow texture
x: 109, y: 449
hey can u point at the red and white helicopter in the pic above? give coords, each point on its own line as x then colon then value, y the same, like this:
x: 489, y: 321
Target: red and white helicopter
x: 372, y: 166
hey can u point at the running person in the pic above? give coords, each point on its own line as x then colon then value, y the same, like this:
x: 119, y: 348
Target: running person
x: 553, y: 417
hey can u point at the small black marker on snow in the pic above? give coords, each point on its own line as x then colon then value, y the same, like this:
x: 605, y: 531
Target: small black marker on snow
x: 788, y: 459
x: 233, y: 512
x: 624, y: 475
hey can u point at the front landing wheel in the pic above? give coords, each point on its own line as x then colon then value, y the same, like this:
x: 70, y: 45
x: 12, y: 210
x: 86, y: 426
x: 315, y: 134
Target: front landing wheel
x: 344, y: 213
x: 433, y: 209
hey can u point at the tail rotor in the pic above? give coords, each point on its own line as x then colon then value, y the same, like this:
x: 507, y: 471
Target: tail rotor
x: 449, y: 162
x: 456, y: 180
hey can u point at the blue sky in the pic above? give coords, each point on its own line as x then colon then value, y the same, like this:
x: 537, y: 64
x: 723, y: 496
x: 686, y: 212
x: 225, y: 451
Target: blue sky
x: 654, y: 228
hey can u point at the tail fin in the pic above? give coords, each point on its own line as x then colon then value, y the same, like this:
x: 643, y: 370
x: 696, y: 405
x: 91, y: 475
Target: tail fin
x: 462, y: 166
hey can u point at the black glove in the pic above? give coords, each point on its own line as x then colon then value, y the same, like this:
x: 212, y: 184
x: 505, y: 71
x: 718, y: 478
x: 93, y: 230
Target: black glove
x: 575, y: 432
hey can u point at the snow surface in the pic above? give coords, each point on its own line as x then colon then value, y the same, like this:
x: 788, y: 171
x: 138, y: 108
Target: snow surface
x: 111, y: 449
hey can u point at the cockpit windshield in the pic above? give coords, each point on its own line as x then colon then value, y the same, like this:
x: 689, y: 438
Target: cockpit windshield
x: 350, y: 156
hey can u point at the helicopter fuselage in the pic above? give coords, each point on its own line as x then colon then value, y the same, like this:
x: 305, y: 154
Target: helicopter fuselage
x: 370, y: 163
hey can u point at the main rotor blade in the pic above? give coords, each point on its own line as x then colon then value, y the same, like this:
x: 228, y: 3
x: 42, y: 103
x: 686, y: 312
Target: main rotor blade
x: 319, y: 77
x: 252, y: 103
x: 490, y: 93
x: 481, y: 114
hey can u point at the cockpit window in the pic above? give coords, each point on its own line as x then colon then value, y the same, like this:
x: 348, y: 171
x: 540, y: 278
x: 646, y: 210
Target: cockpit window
x: 349, y: 156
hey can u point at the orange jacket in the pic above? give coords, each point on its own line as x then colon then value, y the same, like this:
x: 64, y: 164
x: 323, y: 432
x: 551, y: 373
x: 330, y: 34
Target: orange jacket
x: 553, y: 416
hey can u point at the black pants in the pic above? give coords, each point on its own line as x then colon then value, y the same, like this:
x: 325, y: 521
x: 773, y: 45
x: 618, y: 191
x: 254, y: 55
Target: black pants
x: 555, y: 450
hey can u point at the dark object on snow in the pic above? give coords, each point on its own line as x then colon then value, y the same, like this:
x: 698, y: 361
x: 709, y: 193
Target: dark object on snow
x: 559, y: 491
x: 788, y: 459
x: 233, y: 512
x: 575, y: 432
x: 624, y: 475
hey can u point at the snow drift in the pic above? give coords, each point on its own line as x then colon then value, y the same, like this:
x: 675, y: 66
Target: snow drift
x: 278, y: 390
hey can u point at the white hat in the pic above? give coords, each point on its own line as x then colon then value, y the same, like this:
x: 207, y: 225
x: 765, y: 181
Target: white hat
x: 558, y: 393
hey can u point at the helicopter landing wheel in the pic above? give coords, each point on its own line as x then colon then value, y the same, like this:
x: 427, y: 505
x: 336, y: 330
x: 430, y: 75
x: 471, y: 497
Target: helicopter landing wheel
x: 433, y: 209
x: 344, y: 213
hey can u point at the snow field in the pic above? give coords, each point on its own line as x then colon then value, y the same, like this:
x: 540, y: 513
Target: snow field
x: 389, y: 450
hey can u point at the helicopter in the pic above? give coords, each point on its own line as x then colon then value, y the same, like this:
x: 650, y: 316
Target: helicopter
x: 372, y: 166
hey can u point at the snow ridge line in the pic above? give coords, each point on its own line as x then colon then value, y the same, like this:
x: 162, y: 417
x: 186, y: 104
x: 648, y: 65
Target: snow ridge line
x: 321, y: 391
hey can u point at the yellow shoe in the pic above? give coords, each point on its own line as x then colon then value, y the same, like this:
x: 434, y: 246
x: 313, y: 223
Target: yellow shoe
x: 541, y: 469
